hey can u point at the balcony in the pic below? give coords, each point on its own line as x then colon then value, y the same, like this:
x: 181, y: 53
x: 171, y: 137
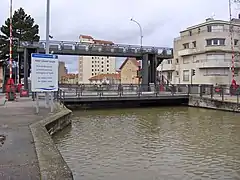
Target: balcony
x: 216, y: 64
x: 186, y: 52
x: 217, y: 48
x: 167, y: 67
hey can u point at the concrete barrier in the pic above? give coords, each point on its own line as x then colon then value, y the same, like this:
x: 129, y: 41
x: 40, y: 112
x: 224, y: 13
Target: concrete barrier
x: 51, y: 163
x: 204, y: 102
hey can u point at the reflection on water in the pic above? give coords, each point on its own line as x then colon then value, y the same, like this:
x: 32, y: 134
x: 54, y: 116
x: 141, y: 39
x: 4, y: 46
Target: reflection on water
x: 162, y: 143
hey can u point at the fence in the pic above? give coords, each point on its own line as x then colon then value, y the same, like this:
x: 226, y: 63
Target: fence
x: 221, y: 93
x: 121, y: 90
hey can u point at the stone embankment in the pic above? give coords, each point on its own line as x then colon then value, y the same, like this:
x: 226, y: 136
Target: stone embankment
x: 226, y: 103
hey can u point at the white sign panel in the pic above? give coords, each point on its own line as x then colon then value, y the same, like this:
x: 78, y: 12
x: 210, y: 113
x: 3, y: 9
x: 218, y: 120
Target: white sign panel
x: 44, y: 72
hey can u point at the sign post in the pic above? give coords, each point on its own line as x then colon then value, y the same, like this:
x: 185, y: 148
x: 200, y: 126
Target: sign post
x: 44, y: 75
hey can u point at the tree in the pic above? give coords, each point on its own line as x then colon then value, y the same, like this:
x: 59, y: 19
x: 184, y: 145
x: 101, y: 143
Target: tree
x: 24, y: 29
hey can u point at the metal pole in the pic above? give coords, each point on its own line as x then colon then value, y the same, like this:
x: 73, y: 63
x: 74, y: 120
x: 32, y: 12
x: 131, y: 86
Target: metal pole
x: 141, y: 38
x: 141, y: 35
x: 10, y: 43
x: 47, y: 26
x: 47, y: 43
x: 18, y: 68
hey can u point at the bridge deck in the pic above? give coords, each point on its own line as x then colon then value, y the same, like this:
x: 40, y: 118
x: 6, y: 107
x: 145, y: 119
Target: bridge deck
x: 74, y: 96
x: 116, y: 50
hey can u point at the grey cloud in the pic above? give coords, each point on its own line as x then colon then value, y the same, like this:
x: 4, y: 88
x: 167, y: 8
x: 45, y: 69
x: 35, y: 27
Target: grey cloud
x: 110, y: 19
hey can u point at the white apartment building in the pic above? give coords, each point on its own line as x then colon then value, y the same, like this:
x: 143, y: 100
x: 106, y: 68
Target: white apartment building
x: 205, y: 48
x: 89, y: 66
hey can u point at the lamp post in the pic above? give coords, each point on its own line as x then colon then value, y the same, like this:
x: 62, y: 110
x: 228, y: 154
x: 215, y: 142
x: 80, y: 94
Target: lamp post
x: 140, y: 27
x: 47, y: 26
x: 47, y: 42
x: 141, y: 38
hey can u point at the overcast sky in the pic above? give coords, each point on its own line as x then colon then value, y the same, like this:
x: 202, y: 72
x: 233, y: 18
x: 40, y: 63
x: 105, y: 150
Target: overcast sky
x: 161, y: 20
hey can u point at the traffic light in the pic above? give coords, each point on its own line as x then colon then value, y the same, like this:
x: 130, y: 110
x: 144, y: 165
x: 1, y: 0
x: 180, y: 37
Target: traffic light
x: 139, y: 73
x: 193, y: 72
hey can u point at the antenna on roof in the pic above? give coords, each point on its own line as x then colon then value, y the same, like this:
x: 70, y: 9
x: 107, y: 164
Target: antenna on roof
x: 213, y: 15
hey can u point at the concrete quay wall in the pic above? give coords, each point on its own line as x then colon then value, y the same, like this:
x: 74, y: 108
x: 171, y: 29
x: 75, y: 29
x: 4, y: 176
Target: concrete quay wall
x: 218, y: 104
x: 51, y: 163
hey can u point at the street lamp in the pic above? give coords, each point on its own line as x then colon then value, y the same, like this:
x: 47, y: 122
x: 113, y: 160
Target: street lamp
x: 47, y: 26
x: 47, y: 43
x: 141, y: 37
x: 140, y: 27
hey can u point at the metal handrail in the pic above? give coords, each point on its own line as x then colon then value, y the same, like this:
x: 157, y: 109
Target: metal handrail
x: 121, y: 91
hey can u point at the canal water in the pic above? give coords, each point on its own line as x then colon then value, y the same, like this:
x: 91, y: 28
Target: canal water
x: 164, y: 143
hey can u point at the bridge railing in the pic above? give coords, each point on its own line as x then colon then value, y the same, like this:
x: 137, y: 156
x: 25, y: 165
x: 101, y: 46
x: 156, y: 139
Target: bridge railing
x: 123, y: 90
x: 221, y: 93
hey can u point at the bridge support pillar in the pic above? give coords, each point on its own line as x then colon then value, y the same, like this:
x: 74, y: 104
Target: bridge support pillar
x: 145, y: 73
x: 25, y: 76
x: 152, y: 68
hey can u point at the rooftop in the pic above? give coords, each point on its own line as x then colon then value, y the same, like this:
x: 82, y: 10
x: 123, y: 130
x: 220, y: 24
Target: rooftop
x: 134, y: 60
x: 96, y: 41
x: 210, y: 21
x: 70, y: 76
x: 86, y: 37
x: 106, y: 76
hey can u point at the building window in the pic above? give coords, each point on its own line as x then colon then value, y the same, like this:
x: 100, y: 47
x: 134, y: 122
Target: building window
x: 102, y: 70
x: 177, y: 61
x: 199, y: 30
x: 236, y: 72
x: 102, y: 62
x: 177, y: 73
x: 107, y: 61
x: 194, y: 44
x: 194, y: 59
x: 215, y: 57
x: 235, y: 42
x: 92, y: 70
x: 92, y: 65
x: 190, y: 33
x: 209, y: 28
x: 215, y: 42
x: 102, y: 66
x: 186, y: 60
x: 186, y: 46
x: 107, y: 69
x: 217, y: 28
x: 93, y: 62
x: 92, y: 74
x: 92, y: 57
x: 185, y: 75
x: 169, y: 76
x: 169, y: 61
x: 107, y: 65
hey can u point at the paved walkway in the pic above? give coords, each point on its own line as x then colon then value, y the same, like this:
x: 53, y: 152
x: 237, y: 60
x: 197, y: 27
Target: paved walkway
x: 18, y: 159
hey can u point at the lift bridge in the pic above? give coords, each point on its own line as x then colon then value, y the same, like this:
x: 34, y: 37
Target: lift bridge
x: 151, y: 56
